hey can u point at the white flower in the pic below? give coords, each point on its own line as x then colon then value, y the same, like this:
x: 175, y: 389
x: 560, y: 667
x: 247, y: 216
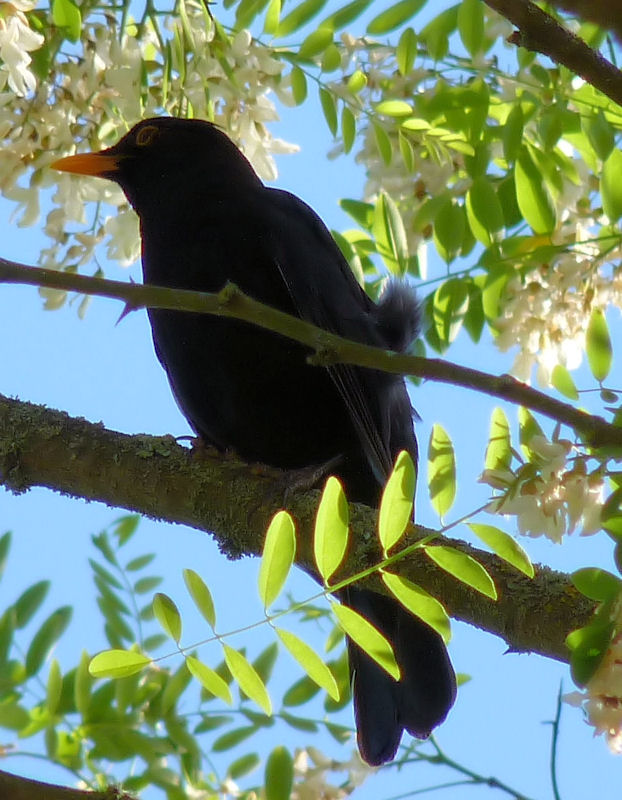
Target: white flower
x: 16, y: 41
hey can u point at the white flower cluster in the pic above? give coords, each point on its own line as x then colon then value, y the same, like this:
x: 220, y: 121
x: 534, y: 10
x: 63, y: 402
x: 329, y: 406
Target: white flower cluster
x: 602, y: 699
x: 17, y: 40
x: 547, y: 311
x: 546, y: 496
x: 91, y: 98
x: 312, y: 769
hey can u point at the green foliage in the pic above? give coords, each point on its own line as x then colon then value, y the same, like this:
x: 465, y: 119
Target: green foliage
x: 331, y: 529
x: 396, y: 506
x: 278, y: 557
x: 441, y: 471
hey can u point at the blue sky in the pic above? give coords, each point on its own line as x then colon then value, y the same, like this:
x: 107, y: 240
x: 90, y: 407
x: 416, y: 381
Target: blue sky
x: 103, y: 371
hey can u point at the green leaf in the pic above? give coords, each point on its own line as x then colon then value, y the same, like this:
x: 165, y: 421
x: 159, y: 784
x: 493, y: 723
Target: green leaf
x: 394, y: 16
x: 441, y: 470
x: 168, y: 616
x: 277, y: 558
x: 464, y: 568
x: 140, y: 562
x: 279, y: 775
x: 367, y: 638
x: 201, y: 595
x: 394, y: 108
x: 243, y: 766
x: 611, y: 186
x: 396, y: 506
x: 247, y: 678
x: 117, y: 663
x: 505, y: 546
x: 332, y: 521
x: 562, y: 381
x: 45, y: 639
x: 471, y: 25
x: 299, y: 17
x: 299, y: 85
x: 272, y: 18
x: 265, y: 661
x: 309, y: 660
x: 532, y: 196
x: 362, y: 213
x: 449, y: 224
x: 390, y: 234
x: 588, y: 647
x: 484, y: 211
x: 29, y: 602
x: 406, y: 51
x: 499, y: 449
x: 329, y: 109
x: 419, y: 602
x: 209, y: 679
x: 66, y: 15
x: 598, y: 344
x: 316, y: 42
x: 233, y: 738
x: 383, y: 143
x: 348, y: 128
x: 450, y: 305
x: 5, y: 544
x: 300, y: 692
x: 347, y: 14
x: 600, y: 133
x: 528, y: 427
x: 597, y: 584
x: 512, y: 133
x: 83, y: 683
x: 357, y: 81
x: 54, y: 687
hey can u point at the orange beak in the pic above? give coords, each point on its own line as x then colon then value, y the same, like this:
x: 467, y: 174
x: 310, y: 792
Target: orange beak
x: 100, y: 164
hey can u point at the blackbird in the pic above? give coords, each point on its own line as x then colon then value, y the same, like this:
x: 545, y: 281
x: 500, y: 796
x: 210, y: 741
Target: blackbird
x: 206, y: 219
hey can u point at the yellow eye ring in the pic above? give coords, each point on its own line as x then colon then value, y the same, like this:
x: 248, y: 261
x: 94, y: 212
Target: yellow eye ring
x: 146, y: 135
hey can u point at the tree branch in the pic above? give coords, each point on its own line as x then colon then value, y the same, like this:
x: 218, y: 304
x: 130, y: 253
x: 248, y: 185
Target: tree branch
x: 329, y: 348
x: 540, y: 32
x: 14, y: 787
x: 218, y: 494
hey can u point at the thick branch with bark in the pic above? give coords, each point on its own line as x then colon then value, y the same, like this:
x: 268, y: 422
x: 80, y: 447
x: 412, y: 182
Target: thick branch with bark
x: 234, y: 502
x: 328, y: 347
x: 14, y: 787
x: 540, y: 32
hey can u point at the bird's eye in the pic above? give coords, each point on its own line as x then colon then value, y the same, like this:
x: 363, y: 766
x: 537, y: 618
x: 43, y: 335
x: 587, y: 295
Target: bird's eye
x: 146, y: 135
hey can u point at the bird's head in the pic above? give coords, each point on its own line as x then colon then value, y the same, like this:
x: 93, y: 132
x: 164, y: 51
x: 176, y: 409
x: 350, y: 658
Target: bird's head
x: 161, y: 158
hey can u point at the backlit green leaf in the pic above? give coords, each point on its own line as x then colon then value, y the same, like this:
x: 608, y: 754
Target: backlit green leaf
x: 499, y: 449
x: 309, y: 660
x: 368, y: 638
x: 29, y: 602
x: 348, y: 128
x: 45, y: 639
x: 388, y: 229
x: 394, y: 108
x: 611, y: 186
x: 505, y: 546
x: 329, y: 109
x: 279, y: 774
x: 532, y: 196
x: 117, y: 663
x: 303, y: 12
x: 273, y: 17
x: 598, y: 344
x: 562, y: 381
x: 330, y: 538
x: 406, y: 51
x: 419, y: 602
x: 471, y: 25
x: 394, y: 16
x: 597, y: 584
x: 299, y: 85
x: 247, y: 678
x: 66, y: 15
x: 201, y: 595
x: 167, y: 614
x: 277, y: 558
x: 441, y: 471
x: 484, y: 211
x: 464, y: 568
x: 316, y: 42
x: 396, y: 505
x: 209, y: 678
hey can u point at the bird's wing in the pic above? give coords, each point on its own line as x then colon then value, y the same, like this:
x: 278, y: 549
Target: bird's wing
x: 324, y: 291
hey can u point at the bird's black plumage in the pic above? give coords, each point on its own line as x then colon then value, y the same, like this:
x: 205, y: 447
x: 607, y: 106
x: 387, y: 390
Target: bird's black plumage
x: 206, y: 219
